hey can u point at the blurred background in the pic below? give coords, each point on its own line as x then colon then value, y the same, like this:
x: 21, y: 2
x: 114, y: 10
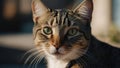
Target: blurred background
x: 16, y: 26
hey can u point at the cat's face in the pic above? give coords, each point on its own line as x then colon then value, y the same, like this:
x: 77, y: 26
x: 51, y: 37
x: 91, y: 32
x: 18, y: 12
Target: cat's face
x: 62, y: 34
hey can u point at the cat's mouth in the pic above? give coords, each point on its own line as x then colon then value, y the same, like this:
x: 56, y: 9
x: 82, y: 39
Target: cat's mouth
x: 57, y: 53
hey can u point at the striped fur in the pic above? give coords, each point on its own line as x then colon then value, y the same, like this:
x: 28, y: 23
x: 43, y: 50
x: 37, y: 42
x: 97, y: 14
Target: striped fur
x: 60, y: 46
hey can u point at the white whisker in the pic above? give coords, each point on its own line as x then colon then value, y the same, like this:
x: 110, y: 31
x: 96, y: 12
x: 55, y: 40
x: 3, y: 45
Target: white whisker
x: 79, y: 62
x: 39, y: 59
x: 34, y: 61
x: 33, y: 54
x: 84, y: 63
x: 30, y: 51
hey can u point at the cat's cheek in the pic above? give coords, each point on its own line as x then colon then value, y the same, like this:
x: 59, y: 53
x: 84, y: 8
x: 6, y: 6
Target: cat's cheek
x: 61, y: 50
x: 83, y: 43
x: 36, y: 41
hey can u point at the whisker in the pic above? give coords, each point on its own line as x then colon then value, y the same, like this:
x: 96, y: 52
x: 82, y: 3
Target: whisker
x: 32, y: 60
x: 37, y: 57
x: 80, y: 63
x: 26, y: 55
x: 29, y: 51
x: 39, y: 60
x: 32, y: 50
x: 30, y: 56
x: 84, y: 63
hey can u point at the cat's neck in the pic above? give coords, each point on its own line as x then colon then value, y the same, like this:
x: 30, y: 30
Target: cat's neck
x: 56, y: 63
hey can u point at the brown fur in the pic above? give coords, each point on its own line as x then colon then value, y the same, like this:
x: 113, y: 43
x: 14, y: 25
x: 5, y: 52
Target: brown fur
x: 62, y: 43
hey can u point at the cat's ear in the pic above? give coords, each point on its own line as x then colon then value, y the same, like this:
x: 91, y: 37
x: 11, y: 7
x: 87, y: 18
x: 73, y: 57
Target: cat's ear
x: 38, y: 8
x: 85, y: 8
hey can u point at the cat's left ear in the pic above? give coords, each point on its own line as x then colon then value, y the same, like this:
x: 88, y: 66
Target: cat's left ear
x: 85, y: 8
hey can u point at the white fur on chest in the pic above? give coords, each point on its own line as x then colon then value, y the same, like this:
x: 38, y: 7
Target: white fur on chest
x: 54, y: 63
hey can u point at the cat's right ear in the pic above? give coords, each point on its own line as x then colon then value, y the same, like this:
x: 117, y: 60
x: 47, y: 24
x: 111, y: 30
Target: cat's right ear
x: 38, y: 9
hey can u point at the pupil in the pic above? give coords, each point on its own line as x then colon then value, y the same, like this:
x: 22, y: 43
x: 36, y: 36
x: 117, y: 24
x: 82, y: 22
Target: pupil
x: 47, y: 30
x: 73, y: 31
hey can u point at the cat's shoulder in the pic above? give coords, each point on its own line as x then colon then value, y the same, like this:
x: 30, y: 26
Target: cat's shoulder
x: 103, y: 54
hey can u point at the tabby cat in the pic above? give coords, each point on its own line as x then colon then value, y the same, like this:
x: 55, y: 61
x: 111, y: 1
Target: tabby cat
x: 63, y: 37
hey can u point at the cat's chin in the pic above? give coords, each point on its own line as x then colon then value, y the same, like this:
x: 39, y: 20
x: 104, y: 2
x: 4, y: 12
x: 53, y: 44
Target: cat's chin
x: 59, y: 56
x: 63, y: 57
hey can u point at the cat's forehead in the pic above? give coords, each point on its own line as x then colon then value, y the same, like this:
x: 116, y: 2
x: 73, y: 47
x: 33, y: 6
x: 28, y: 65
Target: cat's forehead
x: 61, y: 12
x: 67, y: 13
x: 61, y: 17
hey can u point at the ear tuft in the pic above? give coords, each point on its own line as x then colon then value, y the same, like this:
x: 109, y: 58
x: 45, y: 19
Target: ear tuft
x: 85, y: 9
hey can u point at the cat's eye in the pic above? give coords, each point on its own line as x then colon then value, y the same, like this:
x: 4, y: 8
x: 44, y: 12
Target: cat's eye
x: 73, y: 32
x: 47, y: 30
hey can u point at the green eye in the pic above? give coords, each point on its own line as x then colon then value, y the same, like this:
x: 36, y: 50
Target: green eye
x: 47, y: 30
x: 72, y: 32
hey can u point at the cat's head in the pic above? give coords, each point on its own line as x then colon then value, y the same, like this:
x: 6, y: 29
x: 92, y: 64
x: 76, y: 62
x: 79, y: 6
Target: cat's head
x: 62, y: 33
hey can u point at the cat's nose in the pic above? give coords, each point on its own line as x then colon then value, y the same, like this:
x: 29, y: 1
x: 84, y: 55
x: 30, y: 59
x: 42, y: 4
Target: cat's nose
x: 57, y: 47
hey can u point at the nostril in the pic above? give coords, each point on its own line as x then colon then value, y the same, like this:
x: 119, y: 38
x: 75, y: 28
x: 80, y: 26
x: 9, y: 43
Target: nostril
x: 57, y: 49
x: 56, y: 46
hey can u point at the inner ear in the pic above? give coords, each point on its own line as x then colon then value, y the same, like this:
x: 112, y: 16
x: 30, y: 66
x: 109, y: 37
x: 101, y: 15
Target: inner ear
x: 38, y: 8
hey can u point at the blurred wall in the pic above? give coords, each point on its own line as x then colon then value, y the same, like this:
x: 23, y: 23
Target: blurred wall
x: 14, y: 18
x: 102, y: 17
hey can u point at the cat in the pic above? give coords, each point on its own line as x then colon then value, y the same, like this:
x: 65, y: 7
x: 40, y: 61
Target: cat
x: 63, y: 37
